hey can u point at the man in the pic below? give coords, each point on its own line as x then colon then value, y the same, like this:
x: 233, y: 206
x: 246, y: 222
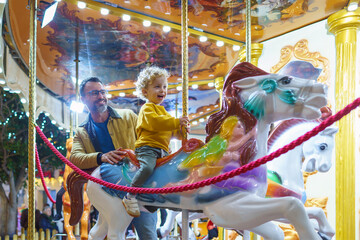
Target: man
x: 116, y: 129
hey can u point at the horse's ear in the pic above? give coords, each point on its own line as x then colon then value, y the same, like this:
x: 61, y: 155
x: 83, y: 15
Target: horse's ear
x: 245, y: 83
x: 331, y: 130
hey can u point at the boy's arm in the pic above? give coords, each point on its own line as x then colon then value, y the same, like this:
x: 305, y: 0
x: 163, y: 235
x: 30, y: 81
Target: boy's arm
x: 153, y: 122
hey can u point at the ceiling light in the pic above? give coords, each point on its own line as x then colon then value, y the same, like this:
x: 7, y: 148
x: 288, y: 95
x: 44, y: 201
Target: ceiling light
x: 47, y: 114
x: 204, y: 24
x: 126, y: 17
x: 2, y: 81
x: 237, y: 34
x: 219, y: 43
x: 211, y: 75
x: 167, y: 13
x: 195, y: 86
x: 1, y: 70
x: 179, y: 88
x: 166, y: 28
x: 6, y: 89
x: 61, y: 128
x: 23, y: 100
x: 122, y: 94
x: 135, y: 93
x: 53, y: 122
x: 203, y: 39
x: 108, y: 95
x: 221, y: 29
x: 147, y: 7
x: 211, y: 84
x: 104, y: 11
x: 194, y: 122
x: 236, y: 47
x: 146, y: 23
x: 81, y: 5
x: 49, y: 14
x: 17, y: 91
x: 352, y: 6
x: 76, y: 106
x: 201, y: 120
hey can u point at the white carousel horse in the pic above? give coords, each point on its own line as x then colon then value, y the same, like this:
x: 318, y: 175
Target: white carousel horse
x: 257, y: 98
x: 286, y: 170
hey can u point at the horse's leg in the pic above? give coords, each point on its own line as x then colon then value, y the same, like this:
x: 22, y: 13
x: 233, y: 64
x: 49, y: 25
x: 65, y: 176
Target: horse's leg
x: 253, y: 211
x: 111, y: 208
x: 85, y: 221
x: 319, y: 215
x: 99, y: 230
x: 269, y: 230
x: 192, y: 216
x: 165, y: 229
x: 68, y: 228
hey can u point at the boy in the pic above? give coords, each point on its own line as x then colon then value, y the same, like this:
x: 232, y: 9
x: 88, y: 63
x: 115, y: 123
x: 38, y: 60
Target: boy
x: 155, y: 127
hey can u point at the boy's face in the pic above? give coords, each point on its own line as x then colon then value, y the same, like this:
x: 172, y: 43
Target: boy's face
x: 156, y: 91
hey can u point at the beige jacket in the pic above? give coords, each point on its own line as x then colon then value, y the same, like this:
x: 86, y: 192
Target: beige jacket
x: 121, y: 126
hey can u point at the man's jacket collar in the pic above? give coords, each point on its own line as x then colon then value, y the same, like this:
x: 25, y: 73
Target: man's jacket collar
x: 112, y: 113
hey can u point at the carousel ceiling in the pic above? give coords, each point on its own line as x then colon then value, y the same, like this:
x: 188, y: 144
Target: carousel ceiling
x: 117, y: 44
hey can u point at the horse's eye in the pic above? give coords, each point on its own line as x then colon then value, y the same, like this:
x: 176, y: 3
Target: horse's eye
x: 323, y: 146
x: 285, y: 80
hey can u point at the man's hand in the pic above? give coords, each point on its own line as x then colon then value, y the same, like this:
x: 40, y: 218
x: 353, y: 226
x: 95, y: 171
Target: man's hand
x: 113, y: 157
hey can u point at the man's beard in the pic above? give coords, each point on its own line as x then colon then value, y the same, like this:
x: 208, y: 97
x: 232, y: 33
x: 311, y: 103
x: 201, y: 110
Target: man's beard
x: 101, y: 109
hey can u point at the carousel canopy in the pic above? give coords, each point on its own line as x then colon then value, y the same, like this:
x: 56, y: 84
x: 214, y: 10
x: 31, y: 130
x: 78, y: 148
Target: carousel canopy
x: 115, y: 39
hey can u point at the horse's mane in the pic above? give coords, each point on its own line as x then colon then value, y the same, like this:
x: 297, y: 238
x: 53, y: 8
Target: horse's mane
x: 287, y: 124
x: 232, y: 106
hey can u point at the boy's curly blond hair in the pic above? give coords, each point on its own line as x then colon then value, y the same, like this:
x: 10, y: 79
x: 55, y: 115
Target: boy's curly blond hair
x: 147, y: 76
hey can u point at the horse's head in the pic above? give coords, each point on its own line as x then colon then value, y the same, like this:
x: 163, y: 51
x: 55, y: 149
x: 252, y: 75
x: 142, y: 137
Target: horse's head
x: 318, y: 151
x: 274, y: 97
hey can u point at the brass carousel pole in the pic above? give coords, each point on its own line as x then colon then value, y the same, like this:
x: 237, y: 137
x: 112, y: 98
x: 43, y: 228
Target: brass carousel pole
x: 248, y: 30
x: 185, y: 93
x: 345, y: 25
x: 31, y: 128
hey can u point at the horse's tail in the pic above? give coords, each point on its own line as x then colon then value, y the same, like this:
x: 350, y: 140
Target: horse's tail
x: 75, y: 186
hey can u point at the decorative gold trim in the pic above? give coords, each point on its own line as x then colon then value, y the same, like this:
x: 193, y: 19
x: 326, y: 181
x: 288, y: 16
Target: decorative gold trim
x: 301, y: 51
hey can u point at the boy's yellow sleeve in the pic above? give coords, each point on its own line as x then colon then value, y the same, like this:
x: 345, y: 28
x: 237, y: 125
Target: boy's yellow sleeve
x: 151, y: 121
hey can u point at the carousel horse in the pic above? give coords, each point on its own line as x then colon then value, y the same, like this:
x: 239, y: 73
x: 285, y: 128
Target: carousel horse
x: 285, y: 176
x: 84, y: 221
x: 236, y: 135
x: 285, y: 173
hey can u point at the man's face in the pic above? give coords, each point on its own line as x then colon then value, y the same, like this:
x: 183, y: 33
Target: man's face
x: 95, y: 97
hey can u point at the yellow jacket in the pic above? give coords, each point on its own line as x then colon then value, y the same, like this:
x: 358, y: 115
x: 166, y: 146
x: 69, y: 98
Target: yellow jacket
x: 121, y: 127
x: 155, y: 127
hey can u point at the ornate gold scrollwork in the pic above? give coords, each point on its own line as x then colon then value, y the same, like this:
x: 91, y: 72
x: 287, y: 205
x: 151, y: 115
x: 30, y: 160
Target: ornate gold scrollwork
x: 301, y: 51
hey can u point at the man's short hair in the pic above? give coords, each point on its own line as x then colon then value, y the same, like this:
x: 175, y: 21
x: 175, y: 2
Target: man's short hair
x: 85, y: 81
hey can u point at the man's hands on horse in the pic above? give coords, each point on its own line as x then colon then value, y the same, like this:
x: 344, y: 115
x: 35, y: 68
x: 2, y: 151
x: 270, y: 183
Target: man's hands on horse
x: 113, y: 157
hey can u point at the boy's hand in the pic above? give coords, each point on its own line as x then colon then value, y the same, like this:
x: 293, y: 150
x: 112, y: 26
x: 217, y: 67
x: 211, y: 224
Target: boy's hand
x: 184, y: 121
x: 184, y: 124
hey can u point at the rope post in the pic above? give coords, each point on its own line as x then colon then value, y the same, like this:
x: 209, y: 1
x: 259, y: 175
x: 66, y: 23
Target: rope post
x: 31, y: 130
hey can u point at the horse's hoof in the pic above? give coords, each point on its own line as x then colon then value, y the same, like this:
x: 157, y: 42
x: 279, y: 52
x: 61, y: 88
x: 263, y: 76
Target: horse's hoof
x: 323, y: 236
x: 158, y: 233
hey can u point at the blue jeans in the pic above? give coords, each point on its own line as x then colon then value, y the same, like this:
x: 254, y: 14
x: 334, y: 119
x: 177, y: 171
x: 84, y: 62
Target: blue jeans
x: 145, y: 226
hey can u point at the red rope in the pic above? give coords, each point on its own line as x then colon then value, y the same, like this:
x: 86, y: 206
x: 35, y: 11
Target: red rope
x: 38, y: 165
x: 221, y: 177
